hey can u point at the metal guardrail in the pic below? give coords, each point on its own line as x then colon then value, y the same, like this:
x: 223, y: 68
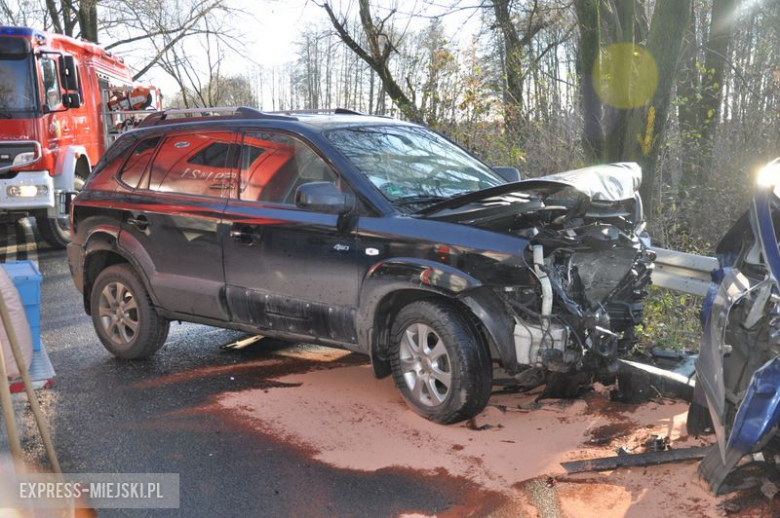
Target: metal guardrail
x: 680, y: 271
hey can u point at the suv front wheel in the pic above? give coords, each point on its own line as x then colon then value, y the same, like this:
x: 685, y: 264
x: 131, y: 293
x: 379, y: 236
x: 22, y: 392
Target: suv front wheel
x: 125, y: 320
x: 440, y: 363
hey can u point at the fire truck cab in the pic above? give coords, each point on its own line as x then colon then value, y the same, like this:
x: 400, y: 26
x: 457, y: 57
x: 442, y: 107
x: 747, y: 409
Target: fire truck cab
x: 56, y: 121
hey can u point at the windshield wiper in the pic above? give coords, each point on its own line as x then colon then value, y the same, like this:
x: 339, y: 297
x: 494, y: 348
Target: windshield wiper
x: 5, y: 115
x: 417, y: 199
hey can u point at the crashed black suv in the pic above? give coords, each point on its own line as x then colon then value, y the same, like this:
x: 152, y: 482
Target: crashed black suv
x: 366, y: 233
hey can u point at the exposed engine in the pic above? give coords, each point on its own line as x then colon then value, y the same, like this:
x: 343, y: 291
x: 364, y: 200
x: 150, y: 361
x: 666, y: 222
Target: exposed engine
x: 593, y: 271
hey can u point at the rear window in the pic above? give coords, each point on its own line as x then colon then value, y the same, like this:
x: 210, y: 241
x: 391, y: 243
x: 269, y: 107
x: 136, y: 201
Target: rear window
x: 216, y: 155
x: 200, y: 164
x: 136, y: 164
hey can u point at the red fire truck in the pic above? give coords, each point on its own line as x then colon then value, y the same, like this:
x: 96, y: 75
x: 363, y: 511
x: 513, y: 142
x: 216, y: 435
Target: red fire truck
x: 62, y: 102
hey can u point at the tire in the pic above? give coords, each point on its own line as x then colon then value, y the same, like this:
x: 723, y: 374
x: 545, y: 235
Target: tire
x: 56, y: 231
x: 452, y: 352
x: 132, y: 329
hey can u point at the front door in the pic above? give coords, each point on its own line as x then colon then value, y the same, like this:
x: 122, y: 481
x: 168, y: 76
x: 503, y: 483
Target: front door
x: 286, y: 268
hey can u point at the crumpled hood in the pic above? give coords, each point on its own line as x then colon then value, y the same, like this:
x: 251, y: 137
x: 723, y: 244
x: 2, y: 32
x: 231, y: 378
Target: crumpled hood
x: 605, y: 183
x: 608, y: 182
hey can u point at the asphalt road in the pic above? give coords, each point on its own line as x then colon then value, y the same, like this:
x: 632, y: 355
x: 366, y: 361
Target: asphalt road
x: 110, y: 415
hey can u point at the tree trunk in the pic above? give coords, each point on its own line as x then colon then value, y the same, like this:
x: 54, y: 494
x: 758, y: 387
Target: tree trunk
x: 588, y: 19
x: 513, y: 70
x: 646, y: 126
x: 622, y: 70
x: 88, y: 21
x: 715, y: 60
x: 688, y: 88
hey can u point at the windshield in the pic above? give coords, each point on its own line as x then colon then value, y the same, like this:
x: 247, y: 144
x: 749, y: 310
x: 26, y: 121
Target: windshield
x: 412, y: 164
x: 16, y: 87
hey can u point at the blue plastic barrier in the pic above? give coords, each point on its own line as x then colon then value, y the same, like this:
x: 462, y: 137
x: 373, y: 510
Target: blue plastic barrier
x: 27, y: 279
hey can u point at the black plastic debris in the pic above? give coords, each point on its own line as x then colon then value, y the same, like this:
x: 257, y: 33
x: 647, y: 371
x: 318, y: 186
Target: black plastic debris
x: 639, y: 459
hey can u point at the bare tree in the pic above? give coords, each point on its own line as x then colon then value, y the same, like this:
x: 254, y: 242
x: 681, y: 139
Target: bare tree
x: 166, y: 25
x: 200, y: 79
x: 381, y: 47
x: 161, y: 24
x: 20, y: 12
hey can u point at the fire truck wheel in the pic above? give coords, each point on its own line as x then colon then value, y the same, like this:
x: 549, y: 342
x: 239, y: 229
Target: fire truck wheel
x: 56, y: 231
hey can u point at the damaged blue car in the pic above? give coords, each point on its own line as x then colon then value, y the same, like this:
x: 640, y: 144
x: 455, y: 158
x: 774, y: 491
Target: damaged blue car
x: 738, y: 369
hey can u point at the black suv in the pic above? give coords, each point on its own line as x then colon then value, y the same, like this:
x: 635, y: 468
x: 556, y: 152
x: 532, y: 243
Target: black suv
x: 365, y: 233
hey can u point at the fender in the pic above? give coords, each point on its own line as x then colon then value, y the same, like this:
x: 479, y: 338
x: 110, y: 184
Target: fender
x: 129, y: 247
x: 404, y: 273
x: 101, y: 237
x: 110, y: 238
x: 498, y: 321
x: 409, y: 273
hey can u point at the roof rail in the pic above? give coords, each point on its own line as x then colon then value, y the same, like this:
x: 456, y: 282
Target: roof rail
x: 186, y: 115
x: 337, y: 111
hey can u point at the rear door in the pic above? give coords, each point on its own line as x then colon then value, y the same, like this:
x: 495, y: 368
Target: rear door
x: 287, y: 268
x: 174, y: 215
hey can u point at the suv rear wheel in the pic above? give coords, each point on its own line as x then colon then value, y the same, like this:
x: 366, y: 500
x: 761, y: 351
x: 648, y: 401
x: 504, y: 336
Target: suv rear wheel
x: 125, y: 320
x: 440, y: 363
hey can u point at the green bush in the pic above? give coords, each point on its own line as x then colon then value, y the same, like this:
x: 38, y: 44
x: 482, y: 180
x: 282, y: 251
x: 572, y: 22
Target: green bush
x: 671, y: 321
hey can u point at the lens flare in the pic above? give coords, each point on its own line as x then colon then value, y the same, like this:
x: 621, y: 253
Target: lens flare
x: 625, y: 76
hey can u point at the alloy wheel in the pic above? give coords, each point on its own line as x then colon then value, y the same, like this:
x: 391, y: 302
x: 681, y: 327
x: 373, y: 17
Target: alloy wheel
x: 425, y: 365
x: 118, y: 313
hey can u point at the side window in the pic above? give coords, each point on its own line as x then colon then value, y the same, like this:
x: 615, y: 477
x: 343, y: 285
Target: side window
x: 273, y: 166
x: 202, y: 164
x: 51, y: 83
x: 137, y: 162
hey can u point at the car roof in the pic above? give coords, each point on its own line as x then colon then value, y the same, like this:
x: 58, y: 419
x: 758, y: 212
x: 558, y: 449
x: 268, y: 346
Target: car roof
x: 330, y: 121
x: 243, y: 116
x: 310, y: 125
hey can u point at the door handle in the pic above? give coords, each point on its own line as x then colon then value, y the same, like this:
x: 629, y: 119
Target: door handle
x: 141, y: 223
x: 245, y: 236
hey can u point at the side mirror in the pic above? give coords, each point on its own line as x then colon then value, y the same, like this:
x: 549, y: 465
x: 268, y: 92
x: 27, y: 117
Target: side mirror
x: 71, y: 100
x: 70, y: 77
x: 323, y: 197
x: 510, y: 174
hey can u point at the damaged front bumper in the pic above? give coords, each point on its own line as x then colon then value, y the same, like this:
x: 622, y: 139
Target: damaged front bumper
x: 583, y: 314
